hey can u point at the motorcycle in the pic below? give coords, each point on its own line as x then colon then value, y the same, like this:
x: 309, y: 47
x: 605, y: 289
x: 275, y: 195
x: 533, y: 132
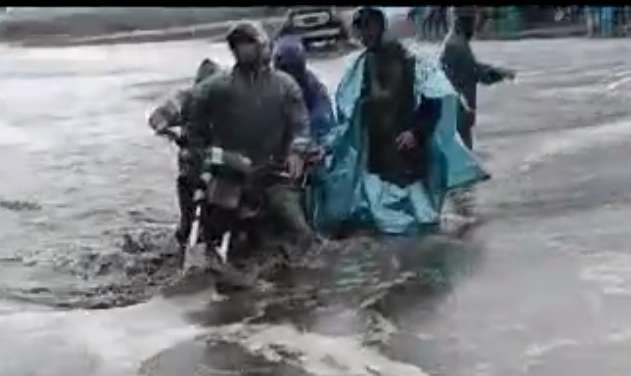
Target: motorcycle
x: 230, y: 205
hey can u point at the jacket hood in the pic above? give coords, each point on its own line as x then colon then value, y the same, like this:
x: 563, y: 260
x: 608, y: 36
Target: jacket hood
x: 290, y: 52
x: 254, y: 31
x: 206, y: 69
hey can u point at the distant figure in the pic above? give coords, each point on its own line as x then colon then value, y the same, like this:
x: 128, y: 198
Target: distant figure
x: 600, y: 21
x: 419, y: 17
x: 464, y: 71
x: 436, y: 21
x: 484, y: 15
x: 591, y: 19
x: 606, y: 21
x: 426, y: 21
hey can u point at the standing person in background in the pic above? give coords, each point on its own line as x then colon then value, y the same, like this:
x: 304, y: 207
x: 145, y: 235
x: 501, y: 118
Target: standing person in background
x: 592, y: 16
x: 464, y: 71
x: 417, y: 15
x: 606, y: 21
x: 484, y: 15
x: 437, y: 19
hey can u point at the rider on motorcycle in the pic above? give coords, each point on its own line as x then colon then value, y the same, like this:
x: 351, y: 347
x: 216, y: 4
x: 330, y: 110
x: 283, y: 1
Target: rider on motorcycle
x: 260, y: 112
x: 174, y: 112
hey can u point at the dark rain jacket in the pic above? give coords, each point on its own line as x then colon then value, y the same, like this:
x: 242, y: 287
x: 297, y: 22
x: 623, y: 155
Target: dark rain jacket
x: 260, y: 113
x: 174, y: 111
x: 463, y: 69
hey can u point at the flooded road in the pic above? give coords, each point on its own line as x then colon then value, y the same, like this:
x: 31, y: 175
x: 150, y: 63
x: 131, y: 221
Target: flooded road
x: 541, y: 287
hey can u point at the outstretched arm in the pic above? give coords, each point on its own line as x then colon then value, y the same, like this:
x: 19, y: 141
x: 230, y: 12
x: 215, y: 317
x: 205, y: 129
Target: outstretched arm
x: 488, y: 74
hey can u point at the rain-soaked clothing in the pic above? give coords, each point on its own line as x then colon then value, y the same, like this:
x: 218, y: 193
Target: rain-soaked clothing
x: 465, y: 72
x: 351, y: 192
x: 259, y: 112
x: 389, y: 108
x: 290, y: 57
x: 175, y: 112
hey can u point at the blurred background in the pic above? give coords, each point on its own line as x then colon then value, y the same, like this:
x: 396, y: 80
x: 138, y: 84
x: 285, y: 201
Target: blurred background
x: 426, y: 22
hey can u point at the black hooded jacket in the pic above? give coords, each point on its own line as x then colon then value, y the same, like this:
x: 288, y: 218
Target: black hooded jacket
x: 260, y: 113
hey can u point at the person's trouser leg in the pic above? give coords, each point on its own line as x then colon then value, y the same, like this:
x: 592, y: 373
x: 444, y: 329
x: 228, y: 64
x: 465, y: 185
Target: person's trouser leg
x: 466, y: 134
x: 185, y: 189
x: 286, y: 208
x: 465, y: 127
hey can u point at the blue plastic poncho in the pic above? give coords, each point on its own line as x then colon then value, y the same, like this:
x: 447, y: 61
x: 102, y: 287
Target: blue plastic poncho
x: 346, y: 193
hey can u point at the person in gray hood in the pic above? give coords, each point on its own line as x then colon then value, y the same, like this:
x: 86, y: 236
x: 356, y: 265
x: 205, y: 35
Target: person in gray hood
x: 464, y: 71
x: 260, y: 112
x: 174, y: 112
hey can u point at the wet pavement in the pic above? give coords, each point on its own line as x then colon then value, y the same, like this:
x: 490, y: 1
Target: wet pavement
x: 541, y: 286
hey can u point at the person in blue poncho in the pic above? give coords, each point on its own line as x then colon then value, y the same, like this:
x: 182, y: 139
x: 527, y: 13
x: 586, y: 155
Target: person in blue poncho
x: 395, y: 151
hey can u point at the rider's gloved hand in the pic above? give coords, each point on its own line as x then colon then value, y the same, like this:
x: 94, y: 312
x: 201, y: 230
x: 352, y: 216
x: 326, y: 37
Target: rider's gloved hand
x: 158, y: 120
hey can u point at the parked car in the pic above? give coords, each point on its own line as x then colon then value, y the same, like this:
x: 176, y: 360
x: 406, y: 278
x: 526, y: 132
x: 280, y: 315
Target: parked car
x: 314, y: 25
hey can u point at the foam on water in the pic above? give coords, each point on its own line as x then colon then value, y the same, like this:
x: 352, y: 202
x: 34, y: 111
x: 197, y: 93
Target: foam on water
x: 575, y: 140
x: 12, y: 135
x: 321, y: 355
x: 616, y: 84
x: 107, y: 342
x: 610, y: 271
x: 540, y: 349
